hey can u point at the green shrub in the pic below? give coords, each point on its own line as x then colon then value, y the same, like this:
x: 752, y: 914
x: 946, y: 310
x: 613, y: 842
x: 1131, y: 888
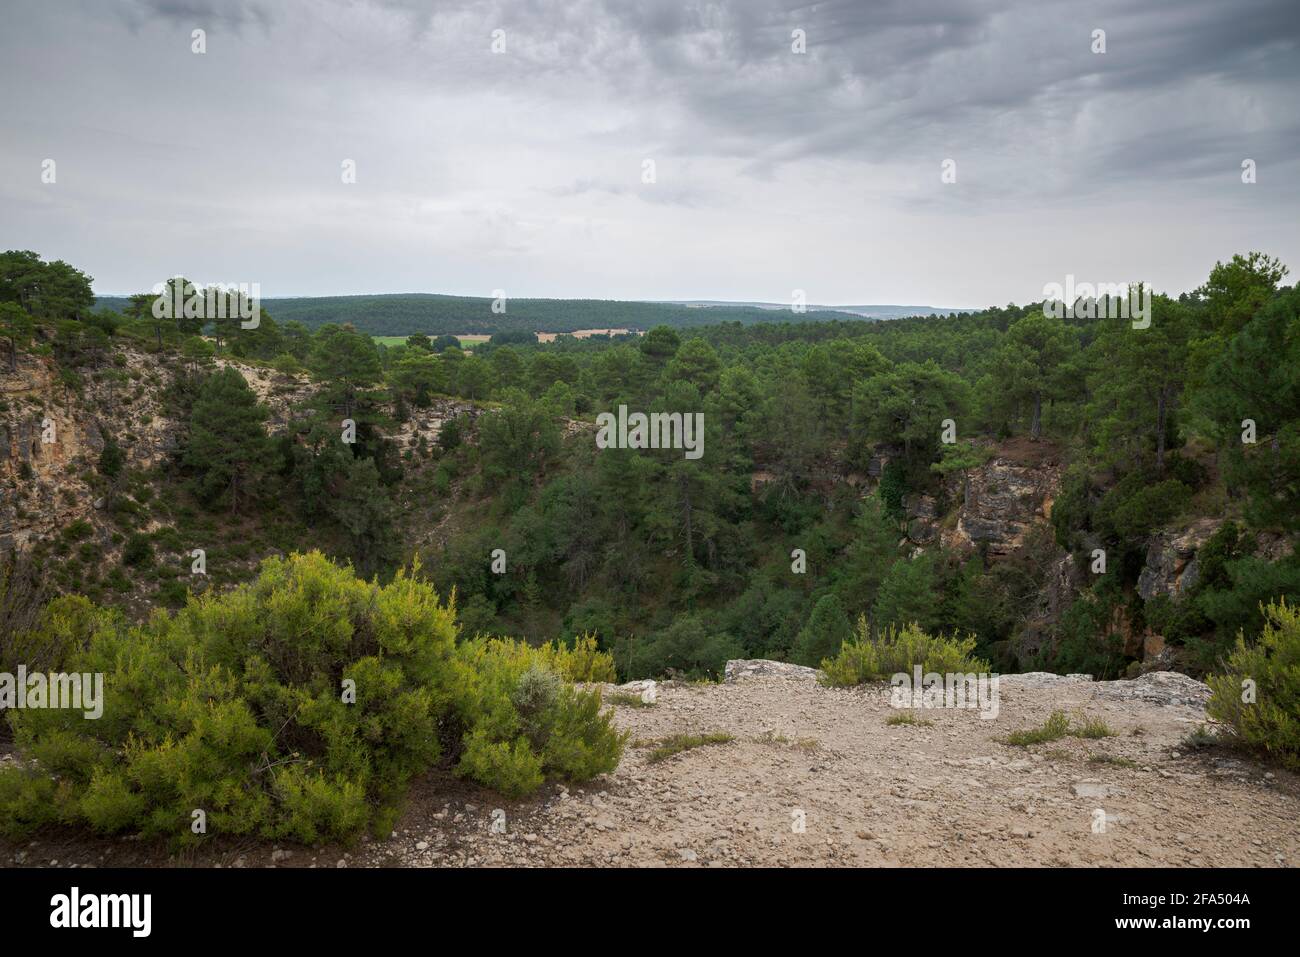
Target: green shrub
x: 893, y: 488
x: 534, y: 698
x: 138, y: 550
x: 580, y: 661
x: 899, y: 650
x: 1138, y: 505
x: 626, y: 699
x: 1249, y: 585
x: 1271, y: 721
x: 116, y: 579
x: 523, y: 724
x: 76, y: 531
x: 1054, y: 728
x: 827, y: 629
x: 907, y: 717
x: 62, y: 629
x: 1058, y: 726
x: 125, y: 510
x: 666, y: 748
x: 167, y: 539
x: 1200, y: 738
x: 686, y: 647
x: 24, y: 590
x: 1088, y: 641
x: 172, y: 593
x: 510, y: 767
x: 1093, y: 728
x: 240, y: 704
x: 111, y: 459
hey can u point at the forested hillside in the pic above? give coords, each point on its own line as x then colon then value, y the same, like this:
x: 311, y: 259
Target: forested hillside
x: 1077, y: 494
x: 407, y: 313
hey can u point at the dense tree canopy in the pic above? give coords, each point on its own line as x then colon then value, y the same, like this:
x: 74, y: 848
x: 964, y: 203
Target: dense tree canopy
x: 824, y: 437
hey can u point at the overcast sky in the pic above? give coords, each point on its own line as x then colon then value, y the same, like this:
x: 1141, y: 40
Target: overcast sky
x: 775, y: 170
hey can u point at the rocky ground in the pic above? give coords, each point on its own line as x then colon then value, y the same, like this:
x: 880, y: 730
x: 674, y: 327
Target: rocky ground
x: 865, y: 792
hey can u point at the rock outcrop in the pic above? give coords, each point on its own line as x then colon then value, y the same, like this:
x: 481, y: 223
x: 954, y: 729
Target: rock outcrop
x: 53, y: 428
x: 739, y: 668
x: 427, y: 423
x: 1005, y: 501
x: 51, y: 435
x: 1163, y: 688
x: 997, y: 503
x: 1172, y: 567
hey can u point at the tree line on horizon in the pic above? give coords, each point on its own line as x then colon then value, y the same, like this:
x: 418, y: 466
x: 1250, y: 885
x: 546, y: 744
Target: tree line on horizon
x: 403, y: 314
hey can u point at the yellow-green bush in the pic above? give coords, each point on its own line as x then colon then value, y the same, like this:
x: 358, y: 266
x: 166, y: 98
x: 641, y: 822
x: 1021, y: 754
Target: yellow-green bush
x: 583, y: 661
x: 896, y: 650
x: 523, y: 728
x: 62, y: 627
x: 236, y: 706
x: 1271, y: 721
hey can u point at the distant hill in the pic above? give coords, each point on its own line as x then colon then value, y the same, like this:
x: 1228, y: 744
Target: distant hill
x: 401, y: 314
x: 866, y: 312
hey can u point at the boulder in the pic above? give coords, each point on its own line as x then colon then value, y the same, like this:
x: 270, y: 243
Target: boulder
x: 739, y: 668
x: 646, y: 689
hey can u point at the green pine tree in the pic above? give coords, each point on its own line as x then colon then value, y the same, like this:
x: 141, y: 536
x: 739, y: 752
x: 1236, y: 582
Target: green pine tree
x: 228, y: 449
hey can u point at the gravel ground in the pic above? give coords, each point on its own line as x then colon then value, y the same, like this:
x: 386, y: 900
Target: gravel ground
x: 815, y: 776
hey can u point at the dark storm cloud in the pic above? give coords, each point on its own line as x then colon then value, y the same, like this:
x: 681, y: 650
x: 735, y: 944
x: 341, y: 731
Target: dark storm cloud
x: 878, y: 76
x: 882, y: 76
x: 197, y: 13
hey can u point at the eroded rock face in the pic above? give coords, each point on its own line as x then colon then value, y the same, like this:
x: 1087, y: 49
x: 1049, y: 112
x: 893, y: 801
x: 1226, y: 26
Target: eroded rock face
x: 281, y: 393
x: 49, y: 437
x: 1172, y: 568
x: 1005, y: 501
x: 922, y: 532
x: 427, y: 423
x: 1064, y: 580
x: 997, y: 503
x: 762, y: 668
x: 876, y: 464
x: 921, y: 506
x: 42, y: 483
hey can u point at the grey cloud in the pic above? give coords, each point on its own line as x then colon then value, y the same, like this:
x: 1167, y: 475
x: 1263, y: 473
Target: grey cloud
x: 199, y: 14
x: 521, y: 159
